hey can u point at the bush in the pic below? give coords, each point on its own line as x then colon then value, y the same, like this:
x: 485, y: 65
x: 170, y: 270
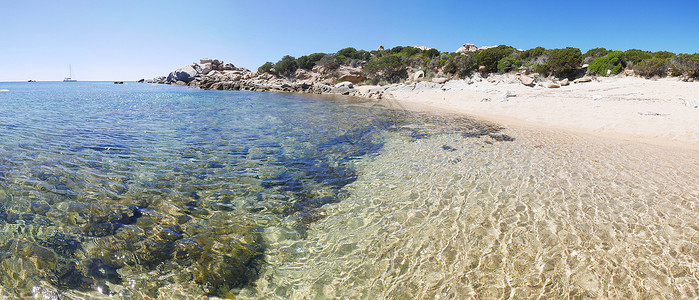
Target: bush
x: 308, y: 62
x: 685, y: 64
x: 651, y: 67
x: 612, y: 61
x: 266, y: 68
x: 564, y: 62
x: 491, y: 56
x: 410, y: 51
x: 347, y: 52
x: 362, y: 55
x: 634, y: 56
x: 328, y: 61
x: 389, y: 68
x: 596, y: 52
x: 286, y: 66
x: 532, y: 53
x: 431, y: 53
x: 462, y: 64
x: 508, y: 64
x: 663, y: 54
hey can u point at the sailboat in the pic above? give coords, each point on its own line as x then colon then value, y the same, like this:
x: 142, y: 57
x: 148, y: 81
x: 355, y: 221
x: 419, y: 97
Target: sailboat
x: 69, y: 79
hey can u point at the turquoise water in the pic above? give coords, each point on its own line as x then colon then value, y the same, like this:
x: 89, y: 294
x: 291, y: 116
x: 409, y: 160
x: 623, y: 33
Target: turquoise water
x: 132, y: 189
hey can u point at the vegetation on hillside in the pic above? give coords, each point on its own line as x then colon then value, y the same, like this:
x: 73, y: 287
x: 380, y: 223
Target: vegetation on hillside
x: 395, y: 64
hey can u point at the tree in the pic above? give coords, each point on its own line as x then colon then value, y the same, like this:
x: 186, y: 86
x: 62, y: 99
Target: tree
x: 564, y: 62
x: 651, y: 67
x: 286, y: 66
x: 266, y: 68
x: 490, y: 57
x: 389, y: 68
x: 612, y: 62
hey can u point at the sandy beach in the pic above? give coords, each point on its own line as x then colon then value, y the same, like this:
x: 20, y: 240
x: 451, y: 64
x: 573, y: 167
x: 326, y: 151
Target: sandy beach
x: 660, y: 112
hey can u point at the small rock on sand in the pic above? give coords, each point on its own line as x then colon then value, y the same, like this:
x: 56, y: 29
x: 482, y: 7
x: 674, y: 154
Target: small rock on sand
x: 581, y: 80
x: 564, y: 82
x: 692, y: 103
x: 526, y: 80
x: 439, y: 80
x: 553, y: 85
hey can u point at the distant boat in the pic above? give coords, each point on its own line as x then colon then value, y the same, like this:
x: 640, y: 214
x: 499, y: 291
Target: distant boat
x: 31, y: 80
x: 69, y: 79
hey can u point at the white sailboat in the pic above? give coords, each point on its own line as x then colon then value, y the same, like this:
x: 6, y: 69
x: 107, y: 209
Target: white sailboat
x: 70, y: 79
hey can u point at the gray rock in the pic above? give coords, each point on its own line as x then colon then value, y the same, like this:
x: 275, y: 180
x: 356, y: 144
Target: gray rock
x: 439, y: 80
x: 206, y: 68
x: 344, y: 84
x: 466, y: 48
x: 419, y: 75
x: 205, y: 61
x: 185, y: 74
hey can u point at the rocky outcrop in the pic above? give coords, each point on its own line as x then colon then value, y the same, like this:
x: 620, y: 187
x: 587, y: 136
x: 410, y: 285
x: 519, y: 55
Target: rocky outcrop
x: 185, y: 74
x: 466, y: 48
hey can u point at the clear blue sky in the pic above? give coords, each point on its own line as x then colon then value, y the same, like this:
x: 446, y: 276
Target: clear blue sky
x: 128, y: 40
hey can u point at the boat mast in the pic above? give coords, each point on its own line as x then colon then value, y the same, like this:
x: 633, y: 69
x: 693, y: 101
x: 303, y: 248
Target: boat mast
x: 70, y: 69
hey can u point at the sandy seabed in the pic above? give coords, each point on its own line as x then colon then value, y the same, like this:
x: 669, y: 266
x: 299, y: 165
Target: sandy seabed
x: 596, y: 197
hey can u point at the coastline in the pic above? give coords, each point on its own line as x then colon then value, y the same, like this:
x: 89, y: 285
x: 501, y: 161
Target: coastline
x: 661, y: 112
x: 630, y: 109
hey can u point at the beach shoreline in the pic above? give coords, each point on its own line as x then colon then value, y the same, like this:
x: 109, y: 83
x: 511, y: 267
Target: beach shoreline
x: 660, y: 111
x: 630, y: 109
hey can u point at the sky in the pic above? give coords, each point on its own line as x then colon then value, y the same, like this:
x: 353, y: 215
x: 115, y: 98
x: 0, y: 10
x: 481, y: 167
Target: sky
x: 128, y: 40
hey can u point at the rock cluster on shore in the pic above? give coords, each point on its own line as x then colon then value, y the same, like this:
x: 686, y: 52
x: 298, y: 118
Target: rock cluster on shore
x: 213, y: 74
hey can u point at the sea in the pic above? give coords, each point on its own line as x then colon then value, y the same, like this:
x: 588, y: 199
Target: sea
x: 140, y: 191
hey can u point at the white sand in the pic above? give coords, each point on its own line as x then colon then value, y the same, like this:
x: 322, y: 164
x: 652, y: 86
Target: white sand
x: 629, y: 108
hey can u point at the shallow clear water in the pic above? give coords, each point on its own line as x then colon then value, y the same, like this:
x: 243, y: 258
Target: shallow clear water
x: 144, y: 191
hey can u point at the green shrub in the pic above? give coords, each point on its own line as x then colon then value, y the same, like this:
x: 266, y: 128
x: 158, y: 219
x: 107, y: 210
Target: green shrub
x: 596, y: 52
x: 328, y: 61
x: 390, y: 68
x: 286, y: 66
x: 347, y: 52
x: 395, y: 50
x: 612, y: 61
x: 308, y: 62
x: 663, y: 55
x: 634, y: 56
x: 431, y: 53
x: 362, y: 55
x: 266, y: 68
x: 685, y: 64
x: 462, y: 64
x: 564, y: 62
x: 410, y: 51
x: 491, y: 56
x: 651, y: 67
x: 532, y: 53
x: 508, y: 64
